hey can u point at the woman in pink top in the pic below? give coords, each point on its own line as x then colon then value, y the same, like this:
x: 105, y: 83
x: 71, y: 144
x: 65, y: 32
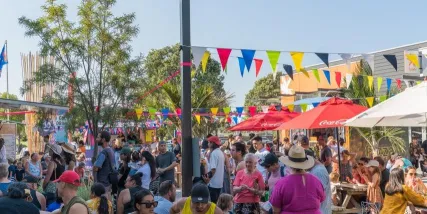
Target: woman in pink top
x: 248, y: 187
x: 299, y: 192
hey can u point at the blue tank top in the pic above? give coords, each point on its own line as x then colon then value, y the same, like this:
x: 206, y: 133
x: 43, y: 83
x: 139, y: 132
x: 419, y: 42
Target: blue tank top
x: 3, y: 188
x: 406, y: 163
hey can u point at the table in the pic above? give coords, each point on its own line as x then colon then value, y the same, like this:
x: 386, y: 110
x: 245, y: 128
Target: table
x: 350, y: 190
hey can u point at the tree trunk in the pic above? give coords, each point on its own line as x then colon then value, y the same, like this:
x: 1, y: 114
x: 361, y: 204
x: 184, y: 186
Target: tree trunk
x: 375, y: 144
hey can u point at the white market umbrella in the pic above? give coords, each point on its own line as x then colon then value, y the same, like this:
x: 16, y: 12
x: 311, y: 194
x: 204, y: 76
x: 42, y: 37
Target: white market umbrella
x: 408, y: 108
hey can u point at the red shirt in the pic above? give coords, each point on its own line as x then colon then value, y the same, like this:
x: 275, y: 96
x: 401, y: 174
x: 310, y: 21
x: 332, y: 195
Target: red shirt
x: 242, y: 178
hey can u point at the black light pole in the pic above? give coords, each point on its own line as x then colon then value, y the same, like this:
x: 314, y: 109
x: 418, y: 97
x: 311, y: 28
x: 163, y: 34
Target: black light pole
x: 187, y: 157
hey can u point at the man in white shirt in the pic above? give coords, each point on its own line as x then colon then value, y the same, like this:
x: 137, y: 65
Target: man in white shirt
x: 3, y: 158
x: 261, y: 153
x: 215, y: 176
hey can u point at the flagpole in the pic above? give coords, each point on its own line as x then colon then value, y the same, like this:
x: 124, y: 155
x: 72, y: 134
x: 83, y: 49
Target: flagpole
x: 7, y: 80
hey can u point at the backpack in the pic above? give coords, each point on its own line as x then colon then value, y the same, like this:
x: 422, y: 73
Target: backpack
x: 282, y: 172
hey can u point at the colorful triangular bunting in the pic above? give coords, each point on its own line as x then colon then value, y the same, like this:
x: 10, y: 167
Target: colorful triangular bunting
x: 399, y: 83
x: 226, y: 111
x: 383, y: 98
x: 239, y: 111
x: 303, y: 107
x: 348, y: 79
x: 252, y: 110
x: 370, y: 82
x: 205, y: 59
x: 264, y: 109
x: 369, y: 58
x: 291, y: 108
x: 338, y: 78
x: 198, y: 53
x: 258, y: 64
x: 327, y: 75
x: 248, y: 55
x: 370, y: 101
x: 235, y: 120
x: 241, y: 65
x: 392, y: 60
x: 198, y: 118
x: 388, y: 81
x: 379, y: 83
x: 138, y: 112
x: 289, y: 70
x: 224, y: 54
x: 315, y: 104
x: 165, y: 113
x: 305, y: 72
x: 297, y: 59
x: 316, y: 75
x: 214, y: 111
x: 324, y: 57
x: 273, y: 56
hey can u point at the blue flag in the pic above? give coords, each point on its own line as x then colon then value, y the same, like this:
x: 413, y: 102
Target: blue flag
x: 3, y: 58
x: 241, y: 65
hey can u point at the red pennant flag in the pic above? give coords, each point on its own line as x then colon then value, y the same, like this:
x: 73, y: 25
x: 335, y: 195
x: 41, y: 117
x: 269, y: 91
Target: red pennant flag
x: 229, y: 120
x: 178, y: 112
x: 258, y: 64
x: 252, y: 110
x: 338, y: 78
x: 224, y: 54
x: 399, y: 83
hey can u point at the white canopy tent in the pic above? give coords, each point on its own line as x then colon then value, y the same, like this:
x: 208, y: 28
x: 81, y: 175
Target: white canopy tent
x: 407, y: 109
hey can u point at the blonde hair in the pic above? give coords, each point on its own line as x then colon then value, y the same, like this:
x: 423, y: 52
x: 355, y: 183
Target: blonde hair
x: 118, y: 142
x: 224, y: 200
x: 334, y: 177
x: 4, y: 170
x: 331, y: 138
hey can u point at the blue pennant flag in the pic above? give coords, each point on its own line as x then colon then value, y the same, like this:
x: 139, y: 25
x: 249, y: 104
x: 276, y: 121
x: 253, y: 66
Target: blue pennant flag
x: 165, y: 113
x: 241, y: 65
x: 327, y: 75
x: 392, y: 60
x: 289, y: 70
x: 388, y: 84
x: 324, y: 57
x: 239, y: 111
x: 315, y: 104
x: 3, y: 58
x: 235, y: 120
x: 248, y: 56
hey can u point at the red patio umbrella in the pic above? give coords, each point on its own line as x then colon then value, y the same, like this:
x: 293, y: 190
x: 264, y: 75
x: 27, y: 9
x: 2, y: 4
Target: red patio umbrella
x: 329, y: 114
x: 266, y: 121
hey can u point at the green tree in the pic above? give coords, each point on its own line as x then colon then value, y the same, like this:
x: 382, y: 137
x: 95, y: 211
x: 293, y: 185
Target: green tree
x: 207, y: 87
x: 92, y: 55
x: 265, y: 91
x: 359, y: 89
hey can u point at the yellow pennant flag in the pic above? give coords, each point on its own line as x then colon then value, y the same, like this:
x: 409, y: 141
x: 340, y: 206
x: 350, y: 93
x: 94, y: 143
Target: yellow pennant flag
x: 205, y: 60
x: 297, y: 58
x: 291, y: 108
x: 138, y: 112
x: 198, y: 118
x: 371, y: 82
x: 379, y: 83
x: 414, y: 59
x: 370, y: 101
x: 214, y: 111
x: 305, y: 72
x: 303, y: 107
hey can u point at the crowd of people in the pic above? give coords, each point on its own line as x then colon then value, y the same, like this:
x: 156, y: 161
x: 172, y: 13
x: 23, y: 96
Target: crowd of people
x: 237, y: 176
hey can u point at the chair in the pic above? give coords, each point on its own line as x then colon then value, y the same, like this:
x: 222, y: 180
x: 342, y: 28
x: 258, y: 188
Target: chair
x: 369, y: 208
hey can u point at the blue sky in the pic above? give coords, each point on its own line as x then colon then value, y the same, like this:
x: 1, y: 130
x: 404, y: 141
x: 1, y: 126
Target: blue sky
x: 310, y: 25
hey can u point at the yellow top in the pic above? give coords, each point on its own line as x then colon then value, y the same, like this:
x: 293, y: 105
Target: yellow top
x: 93, y: 205
x: 187, y: 207
x: 396, y: 204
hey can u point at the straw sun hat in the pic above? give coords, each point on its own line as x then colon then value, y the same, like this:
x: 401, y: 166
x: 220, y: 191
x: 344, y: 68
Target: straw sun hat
x: 68, y: 148
x: 297, y: 158
x: 57, y: 149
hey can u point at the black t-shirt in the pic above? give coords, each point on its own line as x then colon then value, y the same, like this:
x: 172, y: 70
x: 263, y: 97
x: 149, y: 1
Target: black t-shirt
x: 19, y: 174
x: 17, y: 206
x: 385, y: 175
x: 124, y: 172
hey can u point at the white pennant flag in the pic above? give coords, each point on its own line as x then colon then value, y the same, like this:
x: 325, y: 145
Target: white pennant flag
x: 264, y: 109
x: 346, y: 57
x: 348, y: 78
x: 407, y: 83
x: 197, y: 55
x: 369, y: 58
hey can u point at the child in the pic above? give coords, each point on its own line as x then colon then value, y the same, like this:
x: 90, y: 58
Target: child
x: 335, y: 178
x: 80, y: 170
x: 20, y: 172
x: 135, y: 162
x: 225, y: 203
x: 356, y: 177
x: 12, y: 169
x: 374, y: 194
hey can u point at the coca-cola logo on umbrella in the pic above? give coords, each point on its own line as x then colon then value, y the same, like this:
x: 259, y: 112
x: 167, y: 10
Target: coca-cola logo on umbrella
x: 270, y: 124
x: 332, y: 123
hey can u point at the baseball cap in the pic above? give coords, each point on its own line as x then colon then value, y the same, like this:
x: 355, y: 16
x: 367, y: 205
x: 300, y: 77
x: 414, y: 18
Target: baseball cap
x: 69, y: 177
x: 215, y: 139
x: 30, y: 179
x: 125, y: 151
x: 162, y: 142
x: 200, y: 193
x: 269, y: 160
x: 373, y: 163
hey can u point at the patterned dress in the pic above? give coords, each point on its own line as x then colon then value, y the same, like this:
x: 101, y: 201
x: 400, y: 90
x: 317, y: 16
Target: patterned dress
x: 374, y: 193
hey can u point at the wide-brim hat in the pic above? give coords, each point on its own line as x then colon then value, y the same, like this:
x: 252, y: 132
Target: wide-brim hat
x: 297, y: 158
x: 57, y: 149
x: 68, y: 148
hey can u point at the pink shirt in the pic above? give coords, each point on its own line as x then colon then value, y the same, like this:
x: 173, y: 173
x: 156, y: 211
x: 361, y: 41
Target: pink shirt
x: 249, y: 180
x: 292, y: 196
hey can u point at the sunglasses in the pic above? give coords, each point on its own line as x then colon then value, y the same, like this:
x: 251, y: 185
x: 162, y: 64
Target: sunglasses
x: 148, y: 205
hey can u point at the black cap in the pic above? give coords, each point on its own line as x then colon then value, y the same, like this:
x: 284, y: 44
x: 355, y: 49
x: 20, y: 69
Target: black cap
x: 309, y: 152
x: 303, y: 140
x: 30, y: 179
x: 269, y: 160
x: 200, y: 193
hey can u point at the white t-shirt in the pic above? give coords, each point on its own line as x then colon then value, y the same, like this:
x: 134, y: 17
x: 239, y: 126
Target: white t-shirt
x: 261, y: 156
x: 335, y: 150
x: 146, y: 175
x: 3, y: 158
x: 153, y: 146
x: 216, y: 161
